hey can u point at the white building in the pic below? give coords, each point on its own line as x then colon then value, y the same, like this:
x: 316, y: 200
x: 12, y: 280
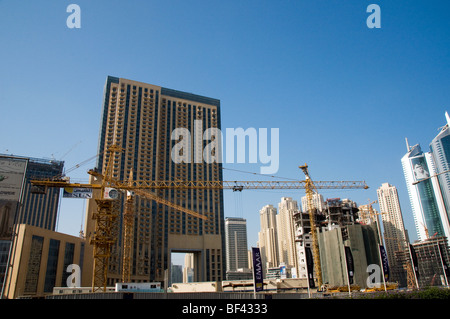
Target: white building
x: 317, y: 200
x: 440, y: 150
x: 424, y: 193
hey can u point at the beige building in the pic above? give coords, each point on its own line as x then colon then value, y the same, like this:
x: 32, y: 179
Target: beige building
x: 395, y: 235
x: 141, y: 118
x: 287, y: 233
x: 40, y: 259
x: 268, y: 238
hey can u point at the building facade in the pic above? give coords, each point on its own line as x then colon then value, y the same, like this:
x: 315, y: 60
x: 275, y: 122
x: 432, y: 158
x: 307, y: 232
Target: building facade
x: 395, y: 236
x: 317, y: 200
x: 236, y: 243
x: 142, y: 118
x: 41, y: 260
x: 31, y: 206
x: 361, y: 240
x: 440, y: 150
x: 286, y: 230
x: 268, y: 237
x: 424, y: 193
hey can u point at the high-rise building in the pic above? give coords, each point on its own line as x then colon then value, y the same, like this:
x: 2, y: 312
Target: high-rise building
x: 142, y: 118
x: 317, y: 201
x: 395, y: 236
x: 188, y: 269
x: 268, y: 238
x: 286, y: 231
x: 424, y: 193
x: 38, y: 208
x: 27, y: 206
x: 440, y: 149
x: 236, y: 243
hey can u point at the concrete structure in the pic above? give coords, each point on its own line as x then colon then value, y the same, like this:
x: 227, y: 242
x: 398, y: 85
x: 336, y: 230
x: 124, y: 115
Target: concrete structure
x: 270, y: 285
x: 141, y: 118
x: 286, y: 233
x: 268, y: 238
x: 363, y: 243
x: 395, y: 235
x: 303, y: 240
x: 428, y: 207
x: 236, y: 243
x: 40, y: 259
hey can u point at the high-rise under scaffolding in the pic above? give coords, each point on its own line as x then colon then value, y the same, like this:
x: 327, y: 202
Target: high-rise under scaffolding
x: 431, y: 259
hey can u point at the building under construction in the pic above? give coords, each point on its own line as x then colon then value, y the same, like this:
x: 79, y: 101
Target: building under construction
x: 337, y: 227
x: 431, y: 259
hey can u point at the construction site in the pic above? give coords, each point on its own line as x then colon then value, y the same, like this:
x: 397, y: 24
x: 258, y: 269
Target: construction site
x: 328, y: 235
x: 143, y: 205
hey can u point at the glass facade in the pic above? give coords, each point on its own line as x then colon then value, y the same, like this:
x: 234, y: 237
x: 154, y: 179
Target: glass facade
x: 52, y: 264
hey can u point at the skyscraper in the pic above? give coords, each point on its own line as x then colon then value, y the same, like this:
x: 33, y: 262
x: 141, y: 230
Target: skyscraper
x: 286, y: 231
x: 424, y: 193
x: 317, y: 201
x: 236, y: 243
x: 38, y: 209
x: 141, y: 118
x: 440, y: 149
x: 268, y: 238
x: 395, y: 236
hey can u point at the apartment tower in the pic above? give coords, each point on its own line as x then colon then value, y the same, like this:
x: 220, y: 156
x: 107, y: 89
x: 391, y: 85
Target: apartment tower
x: 286, y: 230
x: 395, y: 236
x: 141, y: 119
x: 236, y: 243
x: 268, y: 238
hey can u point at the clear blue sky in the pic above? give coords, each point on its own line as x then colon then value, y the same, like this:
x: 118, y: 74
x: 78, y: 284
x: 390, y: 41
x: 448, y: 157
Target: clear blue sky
x: 343, y: 96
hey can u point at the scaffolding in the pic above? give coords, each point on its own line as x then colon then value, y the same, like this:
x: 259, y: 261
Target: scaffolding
x: 429, y: 266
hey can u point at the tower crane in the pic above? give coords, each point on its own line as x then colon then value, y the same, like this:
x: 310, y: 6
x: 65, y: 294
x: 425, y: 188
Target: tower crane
x: 106, y: 214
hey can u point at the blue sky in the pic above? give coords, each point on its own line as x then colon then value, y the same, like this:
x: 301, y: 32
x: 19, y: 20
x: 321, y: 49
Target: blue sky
x: 343, y: 96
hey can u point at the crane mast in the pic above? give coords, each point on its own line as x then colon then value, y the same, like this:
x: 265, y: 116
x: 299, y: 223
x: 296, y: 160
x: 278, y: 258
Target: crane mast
x: 310, y: 190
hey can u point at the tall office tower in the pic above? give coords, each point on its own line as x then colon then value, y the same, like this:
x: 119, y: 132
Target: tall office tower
x: 427, y: 205
x: 286, y: 231
x: 20, y: 204
x: 318, y: 202
x: 142, y: 118
x: 268, y: 238
x: 236, y: 243
x: 440, y: 149
x: 39, y: 209
x: 395, y: 236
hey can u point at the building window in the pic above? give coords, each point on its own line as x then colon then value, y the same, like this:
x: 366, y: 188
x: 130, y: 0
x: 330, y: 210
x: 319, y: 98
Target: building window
x: 34, y: 264
x: 52, y: 264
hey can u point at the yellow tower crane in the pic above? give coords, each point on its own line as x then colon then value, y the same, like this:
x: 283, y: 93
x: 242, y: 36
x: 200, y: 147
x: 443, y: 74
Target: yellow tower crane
x: 107, y: 210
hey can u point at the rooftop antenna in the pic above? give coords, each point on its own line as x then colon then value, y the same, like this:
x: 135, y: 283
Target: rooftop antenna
x: 407, y: 144
x: 447, y: 117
